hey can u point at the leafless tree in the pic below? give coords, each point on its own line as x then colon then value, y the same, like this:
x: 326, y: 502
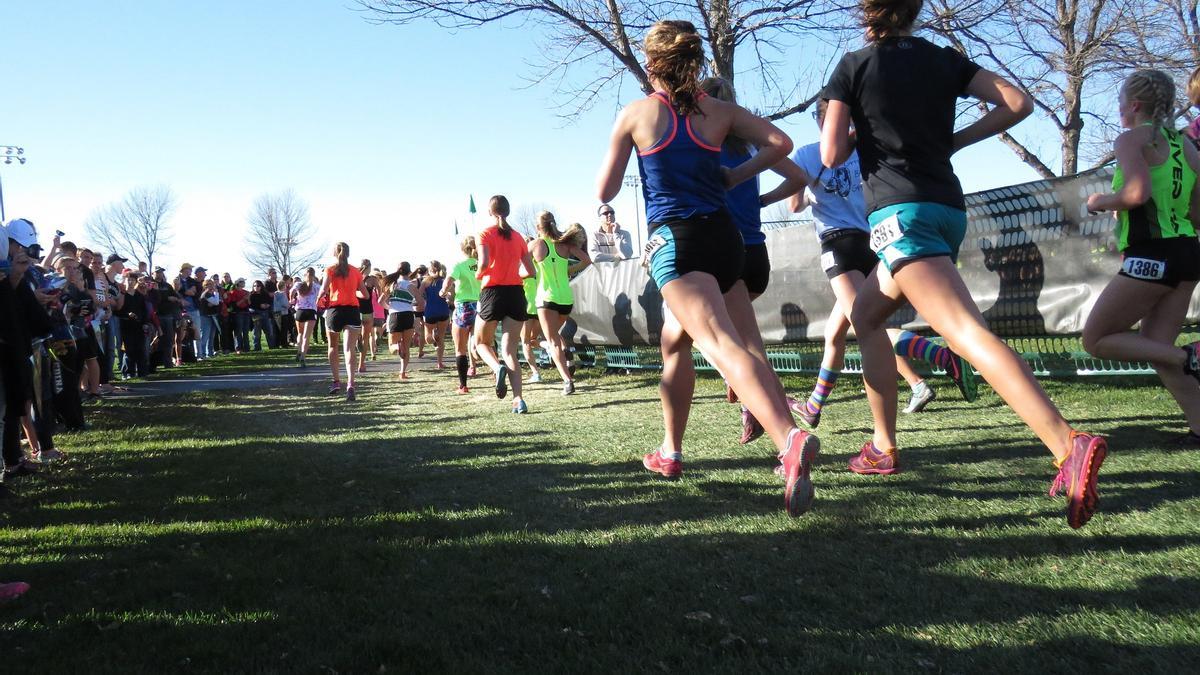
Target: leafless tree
x: 524, y: 217
x: 1068, y: 55
x: 592, y: 44
x: 137, y: 225
x: 280, y: 234
x: 1169, y: 36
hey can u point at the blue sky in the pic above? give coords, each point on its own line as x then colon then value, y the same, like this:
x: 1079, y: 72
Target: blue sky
x: 384, y: 130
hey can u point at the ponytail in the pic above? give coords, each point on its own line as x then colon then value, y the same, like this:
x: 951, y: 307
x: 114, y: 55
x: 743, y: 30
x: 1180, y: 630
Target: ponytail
x: 498, y: 205
x: 675, y: 57
x: 342, y: 251
x: 1156, y: 90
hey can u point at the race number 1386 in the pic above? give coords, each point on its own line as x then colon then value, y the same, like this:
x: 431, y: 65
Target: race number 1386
x: 1144, y: 268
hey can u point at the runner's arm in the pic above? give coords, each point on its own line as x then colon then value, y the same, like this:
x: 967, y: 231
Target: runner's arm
x: 612, y: 169
x: 1136, y: 190
x: 794, y: 181
x: 773, y: 145
x: 584, y: 260
x: 1009, y: 106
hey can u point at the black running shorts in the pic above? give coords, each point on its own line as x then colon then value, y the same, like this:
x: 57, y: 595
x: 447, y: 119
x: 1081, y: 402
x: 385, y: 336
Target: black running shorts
x: 338, y: 319
x: 303, y: 315
x: 709, y: 243
x: 1169, y: 262
x: 398, y: 322
x: 845, y: 251
x: 555, y: 307
x: 756, y: 271
x: 497, y: 303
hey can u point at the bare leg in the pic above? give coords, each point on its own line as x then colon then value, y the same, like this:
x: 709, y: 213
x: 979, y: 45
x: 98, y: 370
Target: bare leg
x: 529, y: 329
x: 552, y: 323
x: 510, y: 343
x: 334, y: 341
x: 351, y: 339
x: 938, y: 293
x: 678, y: 384
x: 876, y: 300
x: 485, y: 337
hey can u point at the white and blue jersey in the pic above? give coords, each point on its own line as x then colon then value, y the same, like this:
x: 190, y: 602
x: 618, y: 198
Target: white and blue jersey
x: 837, y: 194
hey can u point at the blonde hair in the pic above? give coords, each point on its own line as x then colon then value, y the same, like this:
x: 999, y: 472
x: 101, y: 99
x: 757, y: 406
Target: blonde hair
x: 1155, y: 89
x: 468, y: 246
x: 576, y: 235
x: 547, y: 227
x: 1193, y: 88
x: 675, y: 57
x: 722, y: 90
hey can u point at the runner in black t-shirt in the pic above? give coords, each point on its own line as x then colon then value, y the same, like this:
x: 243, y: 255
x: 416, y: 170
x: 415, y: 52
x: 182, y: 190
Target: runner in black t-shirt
x: 900, y: 92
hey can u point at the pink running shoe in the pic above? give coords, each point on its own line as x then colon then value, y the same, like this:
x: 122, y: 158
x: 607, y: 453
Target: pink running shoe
x: 800, y: 408
x: 1077, y: 473
x: 463, y: 390
x: 872, y: 461
x: 12, y: 590
x: 471, y: 371
x: 797, y: 460
x: 751, y: 429
x: 670, y: 467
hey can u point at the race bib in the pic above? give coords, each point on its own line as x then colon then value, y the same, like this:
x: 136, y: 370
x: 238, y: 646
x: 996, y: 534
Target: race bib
x: 652, y: 245
x: 827, y: 261
x: 886, y: 233
x: 1144, y: 268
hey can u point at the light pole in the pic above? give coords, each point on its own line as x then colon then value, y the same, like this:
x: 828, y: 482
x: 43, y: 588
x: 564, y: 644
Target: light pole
x: 635, y: 181
x: 11, y: 153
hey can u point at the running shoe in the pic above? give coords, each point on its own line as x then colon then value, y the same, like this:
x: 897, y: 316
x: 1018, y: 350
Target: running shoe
x: 12, y: 590
x: 463, y: 390
x: 964, y: 376
x: 335, y: 388
x: 25, y: 467
x: 519, y: 408
x: 797, y: 460
x: 730, y: 394
x: 362, y: 368
x: 471, y: 371
x: 751, y: 429
x: 350, y: 394
x: 535, y: 378
x: 502, y: 381
x: 568, y: 388
x: 50, y: 455
x: 1077, y: 473
x: 918, y: 402
x: 873, y: 462
x: 404, y: 376
x: 801, y: 409
x: 1191, y: 364
x: 669, y: 467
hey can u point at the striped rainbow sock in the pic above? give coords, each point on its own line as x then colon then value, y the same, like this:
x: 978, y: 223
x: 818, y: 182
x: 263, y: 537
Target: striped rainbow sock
x: 825, y: 381
x: 914, y: 346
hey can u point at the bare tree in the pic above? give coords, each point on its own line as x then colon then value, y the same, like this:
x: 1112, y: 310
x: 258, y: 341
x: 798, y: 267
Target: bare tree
x: 592, y: 44
x: 280, y: 234
x: 1170, y: 37
x: 524, y: 217
x: 1068, y: 55
x: 137, y: 225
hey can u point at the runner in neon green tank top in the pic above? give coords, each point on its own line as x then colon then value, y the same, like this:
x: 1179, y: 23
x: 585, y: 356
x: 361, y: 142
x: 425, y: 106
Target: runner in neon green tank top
x: 554, y: 296
x: 530, y: 328
x: 1157, y: 200
x: 462, y: 289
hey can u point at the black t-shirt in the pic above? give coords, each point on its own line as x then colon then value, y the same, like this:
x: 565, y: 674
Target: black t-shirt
x: 165, y: 306
x: 902, y: 94
x: 134, y: 311
x: 89, y: 279
x: 259, y: 298
x: 270, y: 286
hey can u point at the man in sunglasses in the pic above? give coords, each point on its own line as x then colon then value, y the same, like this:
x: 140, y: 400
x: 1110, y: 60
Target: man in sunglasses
x: 610, y: 242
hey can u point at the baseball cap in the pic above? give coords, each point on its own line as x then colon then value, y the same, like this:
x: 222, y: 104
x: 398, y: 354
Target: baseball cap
x: 115, y: 258
x: 200, y: 269
x: 159, y: 269
x: 185, y: 266
x: 23, y: 232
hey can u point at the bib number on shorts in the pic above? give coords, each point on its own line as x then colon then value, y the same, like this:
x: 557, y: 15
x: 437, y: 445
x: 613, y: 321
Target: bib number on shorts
x: 652, y: 245
x: 828, y: 260
x: 1144, y: 268
x: 886, y: 233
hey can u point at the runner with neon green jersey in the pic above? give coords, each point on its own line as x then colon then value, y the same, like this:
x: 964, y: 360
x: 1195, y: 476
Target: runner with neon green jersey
x: 1156, y: 196
x: 399, y: 293
x: 551, y: 253
x: 462, y: 289
x: 531, y: 328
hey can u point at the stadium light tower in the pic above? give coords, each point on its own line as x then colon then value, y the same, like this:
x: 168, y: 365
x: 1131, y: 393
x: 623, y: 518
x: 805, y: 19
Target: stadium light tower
x: 635, y: 181
x: 10, y: 153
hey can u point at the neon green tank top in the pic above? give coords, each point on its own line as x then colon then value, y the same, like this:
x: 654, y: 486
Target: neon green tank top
x: 1165, y: 214
x: 466, y: 286
x: 530, y: 285
x: 553, y: 283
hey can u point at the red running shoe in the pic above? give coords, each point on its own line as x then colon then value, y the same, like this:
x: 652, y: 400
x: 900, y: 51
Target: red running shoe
x: 730, y: 394
x: 751, y: 429
x: 463, y: 390
x: 670, y: 467
x: 12, y: 591
x: 797, y: 459
x: 1077, y: 473
x: 872, y: 461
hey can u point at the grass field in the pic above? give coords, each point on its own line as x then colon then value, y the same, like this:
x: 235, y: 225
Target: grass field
x: 421, y: 531
x: 229, y: 364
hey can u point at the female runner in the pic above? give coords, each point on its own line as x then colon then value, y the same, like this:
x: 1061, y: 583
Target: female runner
x: 379, y: 311
x: 437, y: 310
x: 530, y: 327
x: 304, y: 298
x: 462, y: 288
x: 343, y: 288
x: 367, y: 315
x: 1157, y: 201
x: 695, y: 251
x: 901, y: 93
x: 503, y: 262
x: 399, y: 290
x: 550, y: 254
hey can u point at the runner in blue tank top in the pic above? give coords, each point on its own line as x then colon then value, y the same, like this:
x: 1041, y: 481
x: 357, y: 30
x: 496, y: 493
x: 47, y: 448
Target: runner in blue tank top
x: 695, y: 250
x: 437, y: 310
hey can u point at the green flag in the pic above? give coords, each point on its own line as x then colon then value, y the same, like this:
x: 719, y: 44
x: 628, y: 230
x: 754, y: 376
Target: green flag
x: 471, y: 208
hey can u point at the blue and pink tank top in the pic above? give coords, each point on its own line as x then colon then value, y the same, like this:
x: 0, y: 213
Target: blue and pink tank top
x: 681, y: 174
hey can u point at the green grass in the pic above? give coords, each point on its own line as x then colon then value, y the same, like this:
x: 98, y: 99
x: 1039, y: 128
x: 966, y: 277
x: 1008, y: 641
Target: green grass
x: 229, y: 364
x: 421, y: 531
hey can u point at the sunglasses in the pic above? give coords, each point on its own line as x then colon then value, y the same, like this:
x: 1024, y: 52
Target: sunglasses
x: 608, y: 213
